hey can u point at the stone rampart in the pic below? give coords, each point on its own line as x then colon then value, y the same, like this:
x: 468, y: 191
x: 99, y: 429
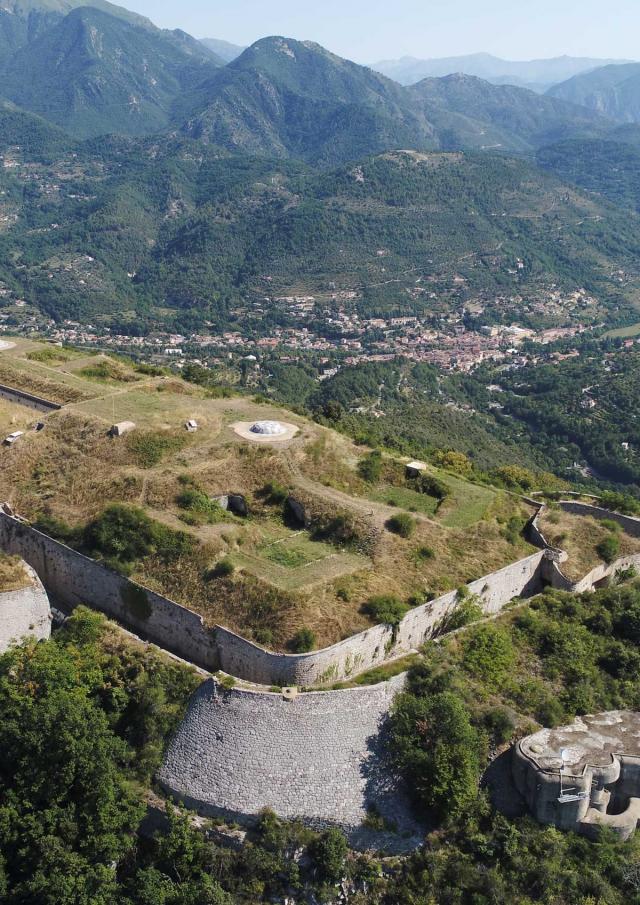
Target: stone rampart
x: 370, y: 648
x: 75, y: 579
x: 24, y: 612
x: 630, y: 524
x: 21, y: 397
x: 318, y: 757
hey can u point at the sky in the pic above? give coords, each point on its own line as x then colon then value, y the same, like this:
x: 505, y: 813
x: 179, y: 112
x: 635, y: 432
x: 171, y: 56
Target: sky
x: 371, y: 30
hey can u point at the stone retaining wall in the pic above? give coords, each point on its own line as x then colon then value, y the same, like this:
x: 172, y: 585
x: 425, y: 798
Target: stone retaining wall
x: 24, y: 613
x: 630, y: 524
x: 20, y: 397
x: 318, y: 757
x: 74, y: 579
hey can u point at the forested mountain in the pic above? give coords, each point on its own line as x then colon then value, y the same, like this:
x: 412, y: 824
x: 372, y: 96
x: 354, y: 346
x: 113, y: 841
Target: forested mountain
x: 538, y: 75
x: 470, y: 112
x: 613, y: 91
x: 609, y: 168
x: 22, y: 21
x: 291, y: 98
x: 180, y: 226
x: 94, y: 72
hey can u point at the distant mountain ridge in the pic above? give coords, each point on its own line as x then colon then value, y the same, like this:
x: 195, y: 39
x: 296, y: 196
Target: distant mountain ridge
x: 92, y: 72
x: 537, y: 75
x: 290, y: 98
x: 613, y: 91
x: 223, y: 49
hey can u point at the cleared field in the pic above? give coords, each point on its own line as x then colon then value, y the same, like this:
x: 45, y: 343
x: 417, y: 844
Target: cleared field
x: 405, y: 498
x: 624, y: 332
x: 467, y: 505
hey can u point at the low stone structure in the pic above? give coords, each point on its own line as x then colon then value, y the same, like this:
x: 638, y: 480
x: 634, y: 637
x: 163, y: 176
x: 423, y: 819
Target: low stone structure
x: 24, y: 612
x: 314, y: 756
x: 583, y: 776
x: 121, y: 428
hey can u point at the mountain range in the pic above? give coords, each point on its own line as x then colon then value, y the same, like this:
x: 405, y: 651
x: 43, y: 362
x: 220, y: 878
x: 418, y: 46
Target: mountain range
x: 613, y: 91
x: 538, y: 75
x: 224, y: 50
x: 102, y: 70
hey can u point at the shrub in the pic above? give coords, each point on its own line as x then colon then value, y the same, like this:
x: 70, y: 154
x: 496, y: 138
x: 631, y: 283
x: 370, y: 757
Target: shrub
x: 469, y: 610
x: 423, y: 554
x: 386, y: 609
x: 195, y: 501
x: 489, y: 655
x: 224, y: 568
x: 329, y: 852
x: 453, y: 461
x: 516, y: 477
x: 609, y: 548
x: 149, y: 448
x: 126, y: 534
x: 370, y: 467
x: 401, y: 524
x: 303, y: 641
x: 431, y: 486
x: 274, y: 493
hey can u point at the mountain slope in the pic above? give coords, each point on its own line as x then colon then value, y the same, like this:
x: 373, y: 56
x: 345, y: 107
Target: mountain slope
x: 292, y: 98
x: 538, y: 75
x: 94, y: 73
x: 182, y: 228
x: 470, y: 112
x: 608, y: 168
x: 612, y: 90
x: 22, y: 21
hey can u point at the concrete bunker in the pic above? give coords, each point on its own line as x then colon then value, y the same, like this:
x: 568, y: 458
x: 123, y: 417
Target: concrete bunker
x: 584, y: 776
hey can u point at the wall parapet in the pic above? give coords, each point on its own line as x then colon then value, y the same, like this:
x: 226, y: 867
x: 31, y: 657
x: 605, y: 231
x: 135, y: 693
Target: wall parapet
x: 75, y: 579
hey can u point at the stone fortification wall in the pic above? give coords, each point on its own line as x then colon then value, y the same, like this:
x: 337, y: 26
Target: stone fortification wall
x: 75, y: 579
x: 317, y: 757
x: 28, y: 399
x: 240, y: 657
x: 24, y: 613
x: 630, y: 524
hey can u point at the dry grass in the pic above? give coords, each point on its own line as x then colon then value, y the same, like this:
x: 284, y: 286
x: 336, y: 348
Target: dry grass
x: 13, y: 575
x: 72, y: 470
x: 580, y: 536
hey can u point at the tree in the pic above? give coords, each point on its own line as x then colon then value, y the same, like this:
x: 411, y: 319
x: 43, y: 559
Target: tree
x: 67, y: 812
x: 437, y: 749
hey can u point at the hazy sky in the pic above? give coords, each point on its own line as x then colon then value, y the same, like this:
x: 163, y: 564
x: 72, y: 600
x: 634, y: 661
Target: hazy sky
x: 368, y: 30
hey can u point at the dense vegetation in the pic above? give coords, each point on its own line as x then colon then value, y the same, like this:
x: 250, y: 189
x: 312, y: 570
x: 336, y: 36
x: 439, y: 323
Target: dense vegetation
x: 186, y: 235
x: 85, y: 717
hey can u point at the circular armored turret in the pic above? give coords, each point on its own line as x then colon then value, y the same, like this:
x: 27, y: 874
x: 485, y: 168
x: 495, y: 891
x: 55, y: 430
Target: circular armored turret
x: 268, y: 428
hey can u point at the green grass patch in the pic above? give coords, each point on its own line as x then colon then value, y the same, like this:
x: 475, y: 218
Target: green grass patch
x: 151, y: 447
x: 404, y: 498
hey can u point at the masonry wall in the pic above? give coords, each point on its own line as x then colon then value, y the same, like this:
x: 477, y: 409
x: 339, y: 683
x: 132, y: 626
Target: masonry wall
x: 240, y: 657
x: 24, y: 613
x: 28, y: 399
x: 75, y: 579
x: 631, y: 525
